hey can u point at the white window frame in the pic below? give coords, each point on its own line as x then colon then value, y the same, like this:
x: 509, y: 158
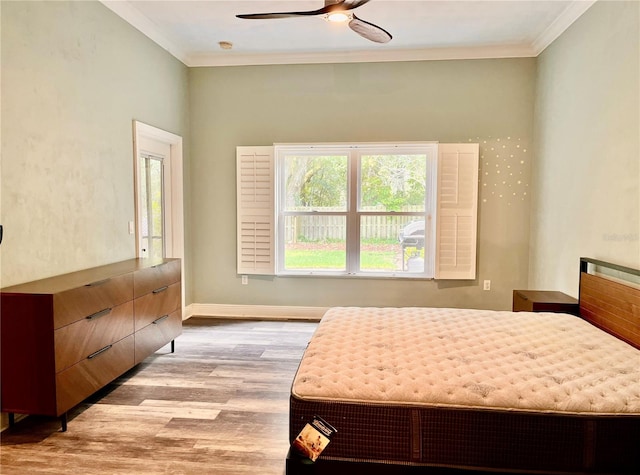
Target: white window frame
x: 353, y: 214
x: 453, y: 229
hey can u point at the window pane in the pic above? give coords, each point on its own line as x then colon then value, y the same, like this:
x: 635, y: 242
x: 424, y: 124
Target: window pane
x: 144, y: 219
x: 391, y: 244
x: 393, y: 182
x: 151, y: 196
x: 315, y: 243
x: 156, y: 201
x: 315, y: 183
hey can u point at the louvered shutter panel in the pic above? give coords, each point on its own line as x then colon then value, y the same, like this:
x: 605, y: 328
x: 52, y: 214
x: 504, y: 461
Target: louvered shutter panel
x: 457, y: 211
x: 255, y: 202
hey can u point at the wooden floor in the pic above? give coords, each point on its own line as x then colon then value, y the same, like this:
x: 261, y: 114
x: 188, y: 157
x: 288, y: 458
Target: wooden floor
x: 218, y: 405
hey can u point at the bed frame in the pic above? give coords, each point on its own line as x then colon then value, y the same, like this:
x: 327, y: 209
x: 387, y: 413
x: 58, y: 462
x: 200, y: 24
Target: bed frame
x: 611, y: 303
x: 609, y: 299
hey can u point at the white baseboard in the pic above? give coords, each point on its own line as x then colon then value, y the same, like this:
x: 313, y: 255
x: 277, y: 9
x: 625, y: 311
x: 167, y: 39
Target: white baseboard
x: 258, y: 312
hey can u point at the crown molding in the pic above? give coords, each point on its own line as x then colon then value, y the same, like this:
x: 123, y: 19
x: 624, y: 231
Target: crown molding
x: 131, y: 15
x: 139, y: 21
x: 570, y: 14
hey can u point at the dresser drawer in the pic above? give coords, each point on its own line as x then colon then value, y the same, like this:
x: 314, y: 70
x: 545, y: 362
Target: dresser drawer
x: 76, y: 341
x: 75, y: 304
x: 152, y: 278
x: 160, y: 302
x: 84, y: 378
x: 154, y: 336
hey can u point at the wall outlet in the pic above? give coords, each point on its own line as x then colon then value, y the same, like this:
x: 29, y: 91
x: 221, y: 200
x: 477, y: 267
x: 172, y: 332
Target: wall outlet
x: 487, y: 285
x: 245, y: 279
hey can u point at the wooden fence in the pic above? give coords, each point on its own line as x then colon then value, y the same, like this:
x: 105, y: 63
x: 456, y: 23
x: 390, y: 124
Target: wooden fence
x: 334, y: 228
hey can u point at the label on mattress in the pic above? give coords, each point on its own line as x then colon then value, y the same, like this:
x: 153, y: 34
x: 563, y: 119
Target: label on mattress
x: 314, y: 438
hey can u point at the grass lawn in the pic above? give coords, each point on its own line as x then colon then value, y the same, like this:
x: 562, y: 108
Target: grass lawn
x: 298, y: 259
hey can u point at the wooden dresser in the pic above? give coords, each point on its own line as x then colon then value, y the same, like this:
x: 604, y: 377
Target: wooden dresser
x: 65, y: 337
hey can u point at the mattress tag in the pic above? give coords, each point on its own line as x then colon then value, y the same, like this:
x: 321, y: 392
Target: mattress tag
x: 314, y: 438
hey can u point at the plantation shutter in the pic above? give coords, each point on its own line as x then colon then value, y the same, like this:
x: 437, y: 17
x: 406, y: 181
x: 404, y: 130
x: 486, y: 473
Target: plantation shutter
x: 457, y: 211
x: 255, y: 207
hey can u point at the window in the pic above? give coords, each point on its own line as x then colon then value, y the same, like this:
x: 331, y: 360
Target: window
x: 394, y: 210
x: 357, y: 210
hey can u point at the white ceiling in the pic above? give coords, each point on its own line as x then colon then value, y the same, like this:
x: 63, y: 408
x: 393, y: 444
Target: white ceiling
x: 422, y: 29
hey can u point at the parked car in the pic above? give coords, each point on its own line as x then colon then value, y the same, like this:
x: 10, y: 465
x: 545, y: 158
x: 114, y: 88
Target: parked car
x: 412, y: 235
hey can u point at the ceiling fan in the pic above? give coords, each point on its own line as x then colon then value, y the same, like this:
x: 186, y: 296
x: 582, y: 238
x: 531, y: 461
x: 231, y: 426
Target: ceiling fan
x: 334, y: 10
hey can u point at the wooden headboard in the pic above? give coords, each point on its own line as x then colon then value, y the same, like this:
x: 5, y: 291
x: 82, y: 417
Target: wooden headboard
x: 608, y: 302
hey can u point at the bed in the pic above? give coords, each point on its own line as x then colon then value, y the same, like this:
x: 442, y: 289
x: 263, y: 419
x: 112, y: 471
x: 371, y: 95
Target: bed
x: 432, y: 390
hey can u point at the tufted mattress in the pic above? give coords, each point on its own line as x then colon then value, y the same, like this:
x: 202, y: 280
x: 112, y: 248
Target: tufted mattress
x: 475, y: 389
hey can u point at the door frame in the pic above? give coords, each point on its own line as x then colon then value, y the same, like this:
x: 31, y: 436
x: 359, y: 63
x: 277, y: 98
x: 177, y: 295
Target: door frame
x: 174, y: 244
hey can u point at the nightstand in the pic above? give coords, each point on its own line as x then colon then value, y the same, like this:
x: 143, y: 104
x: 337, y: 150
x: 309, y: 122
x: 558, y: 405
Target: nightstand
x: 544, y: 301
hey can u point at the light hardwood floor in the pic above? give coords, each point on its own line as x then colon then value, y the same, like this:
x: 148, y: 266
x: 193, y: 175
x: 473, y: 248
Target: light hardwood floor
x: 218, y: 405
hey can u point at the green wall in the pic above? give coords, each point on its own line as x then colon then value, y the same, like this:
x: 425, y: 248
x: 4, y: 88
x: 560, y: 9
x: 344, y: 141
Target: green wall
x: 74, y: 76
x: 586, y: 175
x: 486, y: 101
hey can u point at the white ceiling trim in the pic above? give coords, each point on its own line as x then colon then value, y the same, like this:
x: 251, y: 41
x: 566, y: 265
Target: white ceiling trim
x: 573, y: 11
x: 139, y: 21
x: 485, y: 52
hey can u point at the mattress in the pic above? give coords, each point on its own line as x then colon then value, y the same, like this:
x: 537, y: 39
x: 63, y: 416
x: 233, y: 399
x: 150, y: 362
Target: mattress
x: 471, y: 388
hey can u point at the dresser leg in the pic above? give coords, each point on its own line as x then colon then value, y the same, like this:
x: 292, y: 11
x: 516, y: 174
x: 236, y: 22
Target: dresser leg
x: 173, y: 346
x: 63, y: 422
x: 12, y: 419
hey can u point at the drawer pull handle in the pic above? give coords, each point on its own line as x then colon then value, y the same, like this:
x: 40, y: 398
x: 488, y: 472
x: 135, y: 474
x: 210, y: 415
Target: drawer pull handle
x: 161, y: 289
x: 164, y: 317
x: 97, y: 283
x: 99, y: 314
x: 96, y: 353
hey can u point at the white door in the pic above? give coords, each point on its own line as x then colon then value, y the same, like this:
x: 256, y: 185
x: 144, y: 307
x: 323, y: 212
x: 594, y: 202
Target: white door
x: 158, y: 193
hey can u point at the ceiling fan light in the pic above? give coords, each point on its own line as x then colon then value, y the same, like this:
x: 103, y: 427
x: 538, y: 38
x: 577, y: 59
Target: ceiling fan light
x: 337, y: 17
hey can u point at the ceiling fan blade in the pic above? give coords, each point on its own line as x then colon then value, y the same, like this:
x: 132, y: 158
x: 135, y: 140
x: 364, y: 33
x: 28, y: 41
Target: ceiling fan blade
x: 268, y: 16
x: 343, y: 5
x: 369, y: 30
x: 351, y: 4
